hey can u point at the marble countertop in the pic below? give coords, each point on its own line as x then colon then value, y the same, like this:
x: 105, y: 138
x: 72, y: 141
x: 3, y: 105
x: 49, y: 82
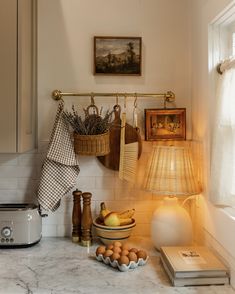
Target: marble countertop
x: 58, y: 266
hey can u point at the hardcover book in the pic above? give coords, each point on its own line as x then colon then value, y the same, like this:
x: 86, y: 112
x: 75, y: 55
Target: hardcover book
x: 193, y: 265
x: 195, y: 281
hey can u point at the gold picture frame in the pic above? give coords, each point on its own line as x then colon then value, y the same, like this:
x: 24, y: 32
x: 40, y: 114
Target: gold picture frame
x: 117, y: 55
x: 165, y: 124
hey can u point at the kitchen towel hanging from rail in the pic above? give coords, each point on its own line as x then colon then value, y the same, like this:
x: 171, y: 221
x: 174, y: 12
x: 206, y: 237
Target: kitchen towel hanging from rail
x: 60, y: 168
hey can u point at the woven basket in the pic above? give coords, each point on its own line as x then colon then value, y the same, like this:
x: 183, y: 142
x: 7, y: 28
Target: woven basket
x: 96, y: 145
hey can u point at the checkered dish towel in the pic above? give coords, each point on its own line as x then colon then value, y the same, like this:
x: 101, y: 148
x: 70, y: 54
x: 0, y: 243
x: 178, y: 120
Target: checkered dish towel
x: 60, y: 168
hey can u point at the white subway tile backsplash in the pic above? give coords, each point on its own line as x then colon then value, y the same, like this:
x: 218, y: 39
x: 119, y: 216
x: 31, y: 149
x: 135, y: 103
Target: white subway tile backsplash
x: 85, y: 183
x: 51, y: 219
x: 8, y: 159
x: 17, y: 172
x: 28, y: 159
x: 9, y: 196
x: 8, y: 184
x: 86, y: 160
x: 102, y: 194
x: 58, y: 218
x: 27, y: 184
x: 20, y: 173
x: 142, y: 217
x: 132, y: 194
x: 95, y: 170
x: 66, y: 205
x: 64, y: 230
x: 145, y: 206
x: 40, y: 159
x: 104, y: 182
x: 43, y: 146
x: 49, y: 230
x: 142, y: 230
x: 122, y: 184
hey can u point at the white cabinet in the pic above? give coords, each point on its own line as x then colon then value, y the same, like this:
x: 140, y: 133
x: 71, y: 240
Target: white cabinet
x: 17, y: 75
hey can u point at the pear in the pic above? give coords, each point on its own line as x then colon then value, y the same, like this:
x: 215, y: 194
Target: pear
x: 112, y: 220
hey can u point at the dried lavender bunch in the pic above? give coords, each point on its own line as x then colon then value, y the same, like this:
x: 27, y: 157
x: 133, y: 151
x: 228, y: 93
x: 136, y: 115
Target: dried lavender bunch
x: 92, y: 124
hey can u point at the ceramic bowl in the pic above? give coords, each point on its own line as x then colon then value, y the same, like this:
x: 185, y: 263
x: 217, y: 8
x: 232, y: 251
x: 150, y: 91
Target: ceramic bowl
x: 108, y: 235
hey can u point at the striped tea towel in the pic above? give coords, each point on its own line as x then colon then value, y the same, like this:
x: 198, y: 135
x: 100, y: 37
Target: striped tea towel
x: 60, y: 168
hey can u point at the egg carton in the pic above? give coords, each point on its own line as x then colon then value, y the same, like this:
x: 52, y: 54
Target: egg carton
x: 122, y: 267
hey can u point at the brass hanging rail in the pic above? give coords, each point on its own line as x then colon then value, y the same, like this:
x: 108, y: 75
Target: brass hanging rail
x: 168, y: 96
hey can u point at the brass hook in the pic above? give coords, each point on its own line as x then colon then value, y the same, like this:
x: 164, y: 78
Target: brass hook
x: 117, y: 99
x: 92, y: 99
x: 135, y: 119
x: 125, y: 97
x: 165, y: 100
x: 135, y: 102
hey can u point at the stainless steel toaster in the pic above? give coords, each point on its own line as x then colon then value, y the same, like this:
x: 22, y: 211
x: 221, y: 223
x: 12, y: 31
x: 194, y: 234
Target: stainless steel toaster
x: 20, y: 224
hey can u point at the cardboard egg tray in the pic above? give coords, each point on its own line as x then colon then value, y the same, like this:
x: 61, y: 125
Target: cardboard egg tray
x: 122, y: 267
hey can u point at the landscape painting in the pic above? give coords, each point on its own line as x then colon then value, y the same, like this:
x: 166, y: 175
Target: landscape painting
x: 117, y: 55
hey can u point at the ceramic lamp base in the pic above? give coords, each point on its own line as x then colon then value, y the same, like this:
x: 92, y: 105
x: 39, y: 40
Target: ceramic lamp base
x: 171, y: 225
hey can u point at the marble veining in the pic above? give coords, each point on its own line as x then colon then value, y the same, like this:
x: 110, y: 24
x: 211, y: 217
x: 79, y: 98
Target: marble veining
x: 58, y: 266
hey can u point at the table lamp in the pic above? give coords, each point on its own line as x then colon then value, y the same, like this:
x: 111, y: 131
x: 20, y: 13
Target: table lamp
x: 171, y: 173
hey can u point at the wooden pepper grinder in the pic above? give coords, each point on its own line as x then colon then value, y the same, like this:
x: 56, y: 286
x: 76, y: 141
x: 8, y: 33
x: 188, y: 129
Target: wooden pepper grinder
x: 77, y: 216
x: 86, y: 220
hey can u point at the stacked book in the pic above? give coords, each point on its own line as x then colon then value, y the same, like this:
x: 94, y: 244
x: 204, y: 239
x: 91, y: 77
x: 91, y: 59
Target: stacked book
x: 188, y: 266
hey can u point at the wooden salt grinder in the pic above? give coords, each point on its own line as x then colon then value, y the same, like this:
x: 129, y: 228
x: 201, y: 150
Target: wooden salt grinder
x: 77, y: 216
x: 86, y: 220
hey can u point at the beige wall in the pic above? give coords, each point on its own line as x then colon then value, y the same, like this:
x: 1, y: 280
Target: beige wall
x: 65, y: 50
x: 65, y: 60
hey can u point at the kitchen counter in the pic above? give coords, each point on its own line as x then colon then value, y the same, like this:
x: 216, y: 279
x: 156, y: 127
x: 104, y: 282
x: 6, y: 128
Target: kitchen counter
x: 58, y: 266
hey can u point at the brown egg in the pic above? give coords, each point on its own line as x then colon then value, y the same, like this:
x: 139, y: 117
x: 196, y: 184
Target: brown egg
x: 117, y: 249
x: 123, y: 260
x: 142, y: 254
x: 135, y: 250
x: 100, y: 250
x: 126, y: 246
x: 108, y: 252
x: 114, y: 256
x: 110, y: 246
x: 117, y: 243
x: 132, y: 256
x: 124, y: 252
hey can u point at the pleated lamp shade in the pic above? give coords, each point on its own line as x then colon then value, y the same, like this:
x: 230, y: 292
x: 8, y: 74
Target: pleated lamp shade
x: 171, y: 173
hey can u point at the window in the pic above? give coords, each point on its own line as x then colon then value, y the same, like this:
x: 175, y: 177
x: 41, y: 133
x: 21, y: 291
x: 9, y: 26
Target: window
x: 222, y: 190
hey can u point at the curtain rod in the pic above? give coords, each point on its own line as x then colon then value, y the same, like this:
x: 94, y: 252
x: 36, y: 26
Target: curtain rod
x: 225, y: 65
x: 168, y: 96
x: 218, y: 69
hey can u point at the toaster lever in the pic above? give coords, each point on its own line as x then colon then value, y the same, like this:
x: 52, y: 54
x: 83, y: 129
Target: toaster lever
x: 40, y: 212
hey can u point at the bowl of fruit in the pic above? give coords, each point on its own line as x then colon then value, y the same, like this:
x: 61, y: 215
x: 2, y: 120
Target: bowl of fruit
x: 113, y: 226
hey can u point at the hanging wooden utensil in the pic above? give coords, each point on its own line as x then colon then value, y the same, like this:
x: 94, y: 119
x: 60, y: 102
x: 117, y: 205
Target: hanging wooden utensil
x: 111, y: 160
x: 135, y: 124
x: 128, y: 156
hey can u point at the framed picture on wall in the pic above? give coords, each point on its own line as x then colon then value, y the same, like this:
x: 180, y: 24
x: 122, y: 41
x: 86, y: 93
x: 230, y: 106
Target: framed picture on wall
x: 165, y: 124
x: 117, y: 56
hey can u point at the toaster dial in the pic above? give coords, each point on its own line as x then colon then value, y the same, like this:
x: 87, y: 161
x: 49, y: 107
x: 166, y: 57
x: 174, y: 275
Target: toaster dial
x: 6, y: 232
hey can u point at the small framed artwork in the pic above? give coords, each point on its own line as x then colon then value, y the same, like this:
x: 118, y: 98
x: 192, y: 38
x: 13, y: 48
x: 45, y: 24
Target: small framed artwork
x: 165, y: 124
x: 117, y: 56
